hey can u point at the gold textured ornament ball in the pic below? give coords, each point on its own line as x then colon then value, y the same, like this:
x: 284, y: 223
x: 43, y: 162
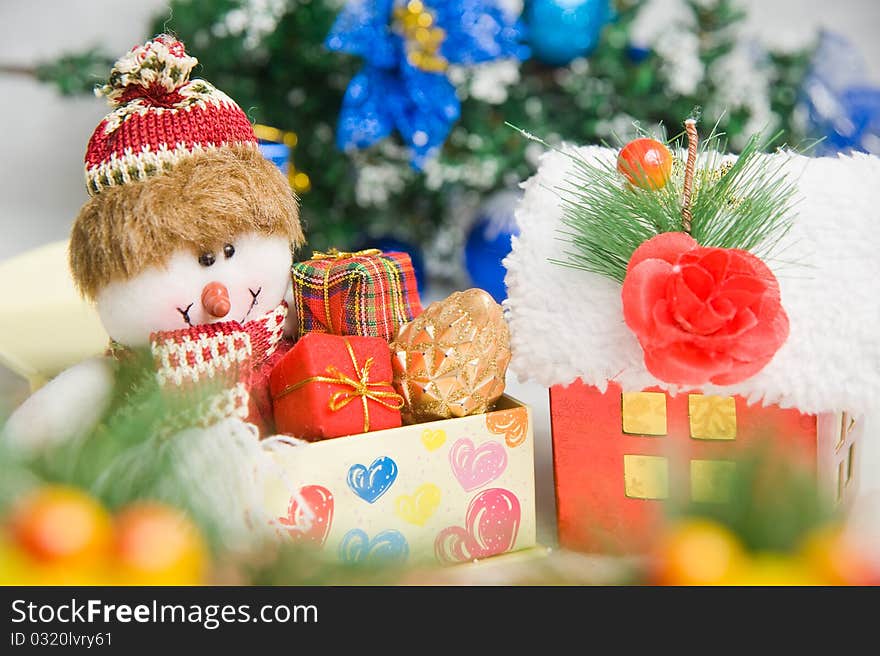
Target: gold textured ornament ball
x: 451, y: 360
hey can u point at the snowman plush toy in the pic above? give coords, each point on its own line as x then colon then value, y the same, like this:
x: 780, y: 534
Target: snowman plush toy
x: 185, y: 247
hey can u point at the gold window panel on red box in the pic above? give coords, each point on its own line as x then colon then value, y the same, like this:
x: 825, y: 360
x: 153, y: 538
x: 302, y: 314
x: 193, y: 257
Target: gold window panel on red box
x: 712, y: 417
x: 646, y: 477
x: 712, y: 480
x: 644, y: 413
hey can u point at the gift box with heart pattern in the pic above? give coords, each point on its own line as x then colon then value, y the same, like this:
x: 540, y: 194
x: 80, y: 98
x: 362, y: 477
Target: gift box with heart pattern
x: 451, y: 491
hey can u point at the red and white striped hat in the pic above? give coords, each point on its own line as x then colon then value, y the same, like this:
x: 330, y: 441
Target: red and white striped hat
x: 160, y: 117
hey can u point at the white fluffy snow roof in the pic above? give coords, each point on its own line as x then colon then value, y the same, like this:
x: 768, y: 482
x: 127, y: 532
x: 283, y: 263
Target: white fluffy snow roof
x: 568, y: 324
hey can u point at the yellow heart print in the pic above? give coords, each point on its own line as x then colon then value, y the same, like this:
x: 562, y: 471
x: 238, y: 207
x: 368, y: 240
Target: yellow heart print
x: 433, y: 439
x: 418, y: 508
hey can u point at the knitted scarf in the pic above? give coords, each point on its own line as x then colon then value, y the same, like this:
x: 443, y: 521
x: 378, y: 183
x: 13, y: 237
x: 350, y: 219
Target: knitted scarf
x: 223, y: 368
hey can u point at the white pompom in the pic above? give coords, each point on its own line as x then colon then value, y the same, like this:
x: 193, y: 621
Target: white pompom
x: 159, y: 67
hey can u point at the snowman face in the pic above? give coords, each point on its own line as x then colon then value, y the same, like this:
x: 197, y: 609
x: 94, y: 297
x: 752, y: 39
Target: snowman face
x: 241, y: 281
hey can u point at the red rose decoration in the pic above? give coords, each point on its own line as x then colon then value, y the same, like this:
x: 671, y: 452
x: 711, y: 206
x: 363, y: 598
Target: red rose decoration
x: 702, y: 315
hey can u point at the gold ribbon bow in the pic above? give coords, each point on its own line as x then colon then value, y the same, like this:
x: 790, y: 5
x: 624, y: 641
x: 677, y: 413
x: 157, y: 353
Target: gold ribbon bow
x: 361, y: 388
x: 333, y: 254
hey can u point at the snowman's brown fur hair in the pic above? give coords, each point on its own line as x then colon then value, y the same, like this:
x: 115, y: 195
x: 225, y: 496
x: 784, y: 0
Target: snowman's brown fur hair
x: 201, y: 204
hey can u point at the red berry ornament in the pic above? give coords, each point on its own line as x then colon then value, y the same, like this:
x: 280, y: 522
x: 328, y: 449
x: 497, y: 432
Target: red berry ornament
x: 645, y: 162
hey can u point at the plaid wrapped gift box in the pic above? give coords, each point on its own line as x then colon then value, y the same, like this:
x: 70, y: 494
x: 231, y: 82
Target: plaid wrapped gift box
x: 368, y: 293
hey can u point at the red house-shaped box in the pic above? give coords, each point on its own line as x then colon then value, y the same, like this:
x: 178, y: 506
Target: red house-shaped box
x: 650, y: 446
x: 625, y: 443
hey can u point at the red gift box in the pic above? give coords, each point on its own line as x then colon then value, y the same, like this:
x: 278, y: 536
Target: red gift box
x: 332, y: 385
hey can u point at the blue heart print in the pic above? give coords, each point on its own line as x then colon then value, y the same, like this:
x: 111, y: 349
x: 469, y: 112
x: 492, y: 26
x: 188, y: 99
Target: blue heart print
x: 387, y: 547
x: 370, y: 484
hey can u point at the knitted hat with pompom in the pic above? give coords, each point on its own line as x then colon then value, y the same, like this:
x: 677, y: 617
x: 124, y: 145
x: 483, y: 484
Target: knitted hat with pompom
x: 174, y: 165
x: 160, y: 117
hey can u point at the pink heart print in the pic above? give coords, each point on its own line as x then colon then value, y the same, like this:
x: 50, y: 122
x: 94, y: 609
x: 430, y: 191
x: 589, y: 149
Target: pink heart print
x: 309, y: 523
x: 491, y: 525
x: 475, y: 467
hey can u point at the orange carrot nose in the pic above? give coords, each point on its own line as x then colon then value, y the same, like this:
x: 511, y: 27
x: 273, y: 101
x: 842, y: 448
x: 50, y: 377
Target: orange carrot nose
x: 215, y: 298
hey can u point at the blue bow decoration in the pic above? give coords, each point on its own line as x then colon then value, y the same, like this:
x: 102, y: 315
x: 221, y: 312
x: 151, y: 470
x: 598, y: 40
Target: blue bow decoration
x: 407, y: 46
x: 842, y: 105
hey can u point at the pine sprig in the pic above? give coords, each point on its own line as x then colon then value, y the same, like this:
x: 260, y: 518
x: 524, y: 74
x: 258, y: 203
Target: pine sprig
x: 749, y: 207
x: 773, y: 504
x: 745, y: 205
x: 605, y: 223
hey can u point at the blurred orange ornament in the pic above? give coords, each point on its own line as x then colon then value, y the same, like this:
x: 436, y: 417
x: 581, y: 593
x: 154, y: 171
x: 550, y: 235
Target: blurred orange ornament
x: 157, y: 545
x: 838, y: 560
x: 15, y: 569
x: 646, y: 163
x: 697, y: 552
x: 774, y: 569
x: 62, y: 527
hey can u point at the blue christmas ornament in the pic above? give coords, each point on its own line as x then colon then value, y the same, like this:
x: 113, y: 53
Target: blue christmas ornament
x: 408, y: 46
x: 488, y: 243
x: 562, y: 30
x: 637, y: 54
x: 277, y: 153
x: 842, y: 106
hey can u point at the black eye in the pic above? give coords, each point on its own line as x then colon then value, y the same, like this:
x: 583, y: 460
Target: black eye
x: 207, y: 259
x: 229, y: 250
